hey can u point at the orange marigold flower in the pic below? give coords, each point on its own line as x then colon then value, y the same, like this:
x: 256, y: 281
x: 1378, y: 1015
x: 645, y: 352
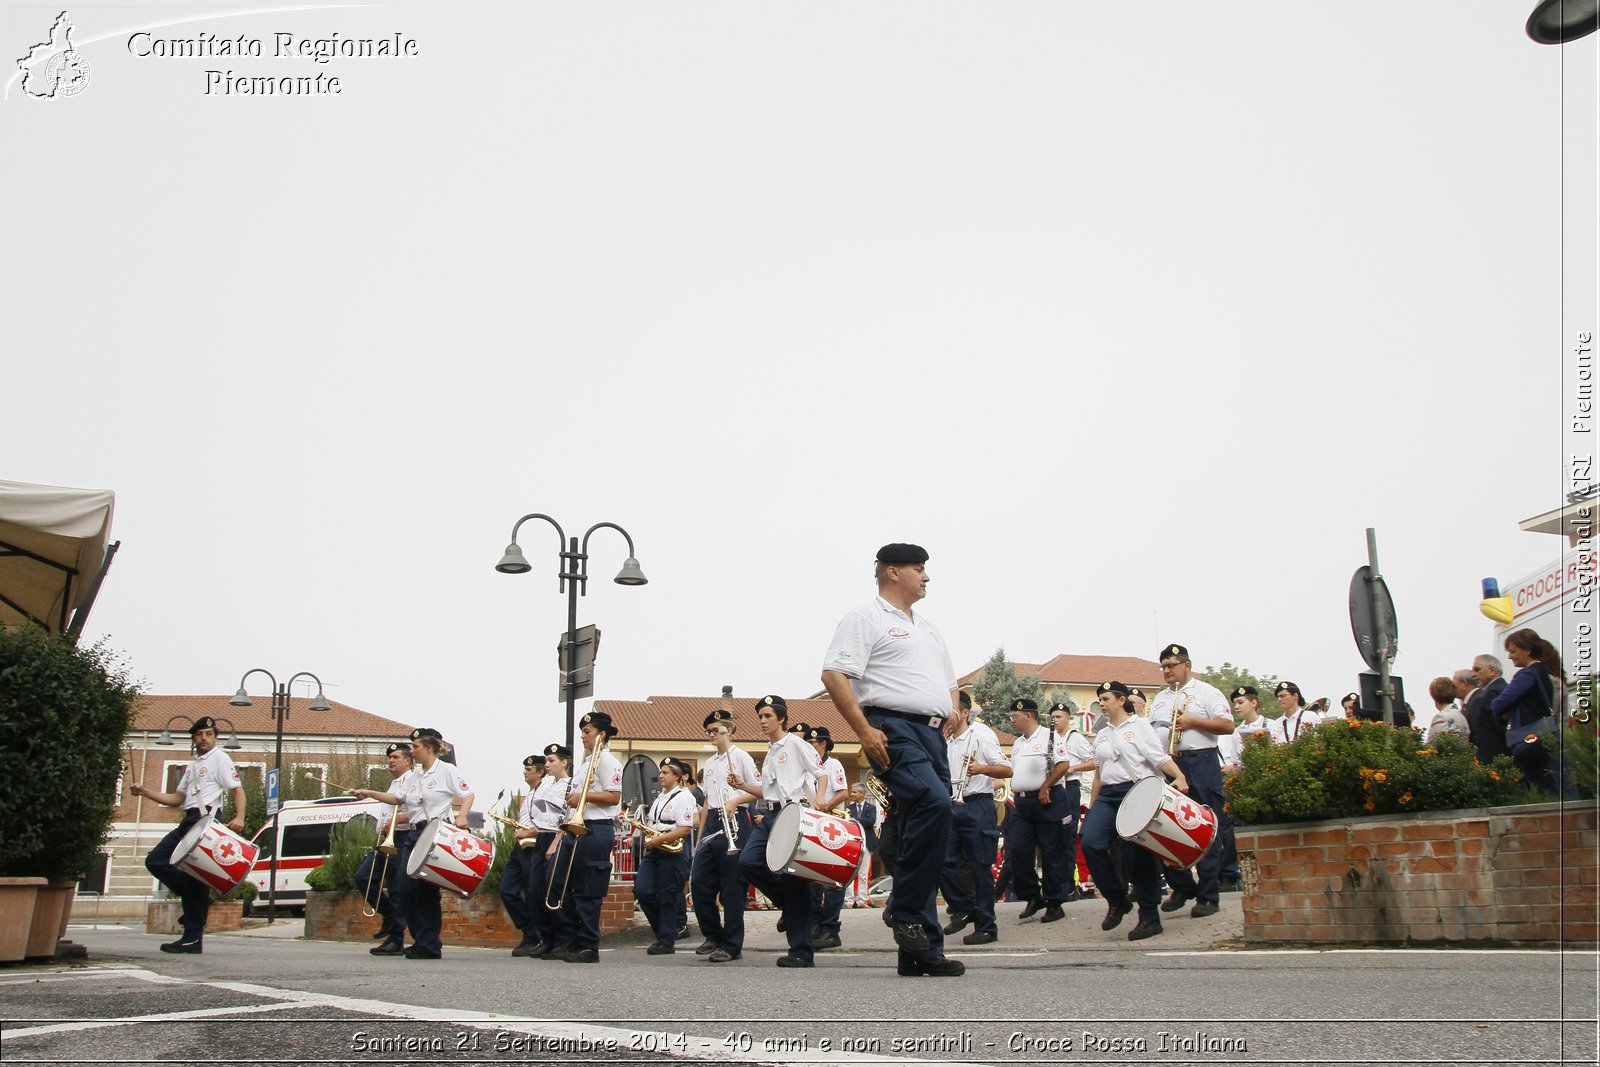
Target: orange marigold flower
x: 1406, y: 798
x: 1495, y: 775
x: 1380, y: 776
x: 1371, y: 805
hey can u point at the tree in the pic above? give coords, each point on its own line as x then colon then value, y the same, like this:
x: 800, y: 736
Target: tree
x: 999, y: 685
x: 1228, y: 678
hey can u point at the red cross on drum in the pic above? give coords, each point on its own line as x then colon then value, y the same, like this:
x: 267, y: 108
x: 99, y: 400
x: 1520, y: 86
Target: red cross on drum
x: 1159, y: 819
x: 814, y: 845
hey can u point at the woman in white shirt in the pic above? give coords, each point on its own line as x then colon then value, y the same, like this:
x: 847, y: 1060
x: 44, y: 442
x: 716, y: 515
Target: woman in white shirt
x: 1127, y: 751
x: 662, y: 874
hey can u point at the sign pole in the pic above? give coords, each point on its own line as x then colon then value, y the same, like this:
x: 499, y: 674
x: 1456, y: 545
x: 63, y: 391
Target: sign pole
x: 1385, y: 651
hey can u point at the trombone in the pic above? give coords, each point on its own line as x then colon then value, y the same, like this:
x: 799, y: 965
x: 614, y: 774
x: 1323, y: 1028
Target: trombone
x: 572, y: 830
x: 388, y: 848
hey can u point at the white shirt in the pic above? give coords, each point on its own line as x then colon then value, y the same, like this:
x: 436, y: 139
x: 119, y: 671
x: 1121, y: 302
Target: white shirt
x: 1199, y: 699
x: 550, y: 802
x: 1292, y: 725
x: 892, y: 661
x: 1029, y: 759
x: 672, y: 810
x: 984, y: 746
x: 607, y: 779
x: 790, y: 770
x: 1142, y: 752
x: 430, y: 794
x: 715, y: 772
x: 207, y: 779
x: 1448, y: 721
x: 832, y: 772
x: 1073, y: 747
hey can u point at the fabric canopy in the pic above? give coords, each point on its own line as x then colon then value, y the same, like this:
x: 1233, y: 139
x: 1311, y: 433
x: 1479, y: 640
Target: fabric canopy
x: 53, y: 550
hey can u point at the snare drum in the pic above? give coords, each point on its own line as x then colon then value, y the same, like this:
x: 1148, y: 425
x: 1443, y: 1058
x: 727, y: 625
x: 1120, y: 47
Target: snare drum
x: 815, y: 845
x: 451, y: 858
x: 1159, y: 819
x: 215, y: 854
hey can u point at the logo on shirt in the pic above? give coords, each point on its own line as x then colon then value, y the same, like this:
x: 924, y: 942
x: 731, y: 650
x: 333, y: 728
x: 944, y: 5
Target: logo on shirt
x: 465, y: 787
x: 431, y: 783
x: 899, y: 633
x: 782, y: 756
x: 1128, y: 736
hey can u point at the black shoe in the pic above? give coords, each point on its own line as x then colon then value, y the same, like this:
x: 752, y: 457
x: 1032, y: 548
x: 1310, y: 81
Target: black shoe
x: 1052, y: 913
x: 1175, y: 901
x: 1146, y: 928
x: 383, y: 932
x: 1229, y: 885
x: 553, y: 951
x: 721, y: 955
x: 822, y: 941
x: 910, y: 966
x: 1202, y: 909
x: 1114, y: 916
x: 911, y: 937
x: 683, y: 932
x: 527, y: 948
x: 388, y: 948
x: 792, y: 960
x: 188, y: 948
x: 415, y: 953
x: 980, y: 937
x: 957, y: 924
x: 707, y: 947
x: 580, y: 955
x: 1033, y: 905
x: 660, y: 948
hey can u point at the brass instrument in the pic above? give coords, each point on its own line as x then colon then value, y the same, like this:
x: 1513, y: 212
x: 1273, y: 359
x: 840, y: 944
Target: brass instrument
x: 573, y: 829
x: 634, y: 822
x: 877, y: 790
x: 522, y: 842
x: 387, y: 848
x: 1173, y: 733
x: 730, y: 822
x: 960, y: 790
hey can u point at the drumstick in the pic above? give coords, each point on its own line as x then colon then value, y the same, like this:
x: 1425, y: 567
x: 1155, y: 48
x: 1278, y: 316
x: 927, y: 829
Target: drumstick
x: 335, y: 785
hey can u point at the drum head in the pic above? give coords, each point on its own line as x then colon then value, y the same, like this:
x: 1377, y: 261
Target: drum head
x: 190, y: 839
x: 1139, y: 806
x: 783, y: 837
x: 420, y: 850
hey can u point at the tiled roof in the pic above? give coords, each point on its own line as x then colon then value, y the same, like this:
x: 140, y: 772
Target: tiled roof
x: 683, y: 718
x: 1087, y: 670
x: 153, y: 712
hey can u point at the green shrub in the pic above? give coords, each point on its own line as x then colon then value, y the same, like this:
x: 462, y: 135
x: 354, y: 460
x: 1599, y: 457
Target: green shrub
x: 1352, y: 768
x: 1583, y: 756
x: 347, y: 847
x: 64, y: 712
x: 504, y: 844
x: 245, y: 891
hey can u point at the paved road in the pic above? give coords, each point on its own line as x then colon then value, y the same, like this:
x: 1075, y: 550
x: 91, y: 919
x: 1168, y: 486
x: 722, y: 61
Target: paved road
x: 1064, y: 993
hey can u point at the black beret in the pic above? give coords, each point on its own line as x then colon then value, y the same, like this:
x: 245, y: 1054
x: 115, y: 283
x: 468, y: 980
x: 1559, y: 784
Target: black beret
x: 1287, y: 687
x: 902, y: 553
x: 1060, y: 706
x: 1024, y: 704
x: 1171, y: 651
x: 1114, y: 687
x: 676, y: 764
x: 1135, y: 691
x: 600, y: 721
x: 533, y: 761
x: 426, y: 731
x: 721, y: 715
x: 397, y: 746
x: 204, y: 722
x: 801, y: 728
x: 1349, y: 697
x: 823, y: 734
x: 558, y: 750
x: 775, y: 702
x: 1246, y: 691
x: 966, y: 700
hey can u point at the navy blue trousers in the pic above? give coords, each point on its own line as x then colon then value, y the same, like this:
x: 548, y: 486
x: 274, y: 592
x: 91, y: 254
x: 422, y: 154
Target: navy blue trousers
x: 658, y: 886
x: 372, y: 887
x: 194, y: 894
x: 918, y: 777
x: 716, y: 875
x: 418, y: 900
x: 1100, y: 841
x: 1038, y: 827
x: 791, y: 893
x: 522, y: 886
x: 1204, y: 772
x: 975, y: 837
x: 589, y: 857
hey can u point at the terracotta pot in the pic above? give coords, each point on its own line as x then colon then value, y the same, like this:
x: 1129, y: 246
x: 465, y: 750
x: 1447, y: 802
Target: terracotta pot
x: 17, y: 896
x: 51, y: 907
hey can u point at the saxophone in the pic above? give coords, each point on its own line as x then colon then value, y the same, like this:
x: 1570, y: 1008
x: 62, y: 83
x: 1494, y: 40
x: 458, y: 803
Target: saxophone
x: 634, y: 822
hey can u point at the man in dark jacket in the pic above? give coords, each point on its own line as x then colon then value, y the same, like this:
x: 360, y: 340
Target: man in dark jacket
x: 1486, y: 729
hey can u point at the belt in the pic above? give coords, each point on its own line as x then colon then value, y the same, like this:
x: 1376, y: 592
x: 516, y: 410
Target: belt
x: 769, y: 805
x: 598, y: 822
x: 1212, y: 751
x: 977, y: 796
x: 935, y: 721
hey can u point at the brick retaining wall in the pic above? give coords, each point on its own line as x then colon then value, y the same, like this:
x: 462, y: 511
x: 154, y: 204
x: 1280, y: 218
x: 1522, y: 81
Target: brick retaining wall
x: 1513, y: 875
x: 478, y: 921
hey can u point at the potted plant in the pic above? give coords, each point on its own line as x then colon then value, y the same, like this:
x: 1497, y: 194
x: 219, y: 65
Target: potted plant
x: 64, y: 712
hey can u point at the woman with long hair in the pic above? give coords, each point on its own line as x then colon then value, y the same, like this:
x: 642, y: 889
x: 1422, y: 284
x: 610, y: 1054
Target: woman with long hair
x: 1535, y: 691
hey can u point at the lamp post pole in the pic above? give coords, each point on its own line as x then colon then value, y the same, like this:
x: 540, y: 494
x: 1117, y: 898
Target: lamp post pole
x: 574, y: 581
x: 280, y: 712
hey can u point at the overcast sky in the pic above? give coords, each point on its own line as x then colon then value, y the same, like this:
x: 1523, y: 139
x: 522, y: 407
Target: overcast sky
x: 1136, y: 316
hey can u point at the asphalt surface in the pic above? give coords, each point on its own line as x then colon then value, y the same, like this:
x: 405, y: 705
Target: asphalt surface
x: 1062, y: 993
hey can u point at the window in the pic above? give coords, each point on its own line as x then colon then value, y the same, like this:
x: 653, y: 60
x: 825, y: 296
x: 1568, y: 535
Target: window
x: 310, y: 839
x: 299, y: 787
x: 378, y: 776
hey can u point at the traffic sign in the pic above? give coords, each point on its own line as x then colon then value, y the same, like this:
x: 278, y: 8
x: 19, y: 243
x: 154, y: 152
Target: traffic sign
x: 272, y: 791
x: 1371, y: 603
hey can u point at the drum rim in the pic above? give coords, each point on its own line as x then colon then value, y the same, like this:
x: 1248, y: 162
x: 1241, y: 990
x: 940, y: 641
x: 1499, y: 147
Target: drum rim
x: 191, y: 840
x: 1158, y: 787
x: 798, y: 811
x: 417, y: 858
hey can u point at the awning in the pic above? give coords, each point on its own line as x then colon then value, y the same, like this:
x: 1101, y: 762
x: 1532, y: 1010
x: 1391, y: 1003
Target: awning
x: 53, y: 553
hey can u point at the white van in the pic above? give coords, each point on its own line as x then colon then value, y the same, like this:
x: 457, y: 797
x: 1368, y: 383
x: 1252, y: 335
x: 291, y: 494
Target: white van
x: 299, y: 835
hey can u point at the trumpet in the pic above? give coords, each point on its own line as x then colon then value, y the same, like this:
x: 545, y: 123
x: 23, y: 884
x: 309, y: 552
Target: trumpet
x: 635, y: 823
x: 960, y: 789
x: 1174, y: 735
x: 522, y: 842
x: 877, y: 790
x: 730, y: 822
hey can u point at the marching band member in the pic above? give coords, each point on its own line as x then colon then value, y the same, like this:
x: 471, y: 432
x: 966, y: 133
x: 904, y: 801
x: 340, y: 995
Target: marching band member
x: 1251, y: 724
x: 890, y: 675
x: 429, y: 794
x: 1127, y: 751
x: 549, y: 804
x: 518, y: 888
x: 716, y: 859
x: 833, y: 791
x: 392, y: 931
x: 585, y: 861
x: 976, y: 761
x: 1200, y: 714
x: 1297, y: 718
x: 658, y: 885
x: 788, y: 776
x: 1041, y: 804
x: 208, y: 777
x: 1076, y: 753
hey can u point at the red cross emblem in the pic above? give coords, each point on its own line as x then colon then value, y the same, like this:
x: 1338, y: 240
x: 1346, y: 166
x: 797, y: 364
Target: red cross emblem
x: 831, y: 834
x: 225, y: 851
x: 1186, y: 811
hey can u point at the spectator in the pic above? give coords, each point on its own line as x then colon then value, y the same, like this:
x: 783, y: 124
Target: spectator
x: 1350, y: 703
x: 1446, y: 718
x: 1486, y: 729
x: 1536, y: 692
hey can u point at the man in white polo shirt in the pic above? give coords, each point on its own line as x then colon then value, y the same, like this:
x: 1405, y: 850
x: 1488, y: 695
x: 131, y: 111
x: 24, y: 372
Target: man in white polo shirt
x: 1200, y: 714
x: 891, y: 677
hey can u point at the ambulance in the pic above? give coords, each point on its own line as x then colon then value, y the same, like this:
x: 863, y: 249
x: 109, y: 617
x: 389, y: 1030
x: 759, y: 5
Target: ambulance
x: 299, y: 836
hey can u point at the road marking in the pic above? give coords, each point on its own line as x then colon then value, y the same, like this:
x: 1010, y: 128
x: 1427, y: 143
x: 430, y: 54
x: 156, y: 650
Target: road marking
x: 1387, y: 952
x: 133, y: 1020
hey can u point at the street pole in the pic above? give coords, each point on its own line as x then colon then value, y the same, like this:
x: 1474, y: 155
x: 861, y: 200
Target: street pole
x: 1385, y: 652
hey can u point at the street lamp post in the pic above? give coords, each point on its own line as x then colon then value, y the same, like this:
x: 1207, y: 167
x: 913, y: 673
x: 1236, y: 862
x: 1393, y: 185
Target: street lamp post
x: 280, y: 711
x: 574, y: 581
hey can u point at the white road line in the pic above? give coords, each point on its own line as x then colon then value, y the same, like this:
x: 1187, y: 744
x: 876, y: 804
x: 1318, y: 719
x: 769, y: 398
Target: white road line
x: 1387, y: 952
x: 134, y: 1020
